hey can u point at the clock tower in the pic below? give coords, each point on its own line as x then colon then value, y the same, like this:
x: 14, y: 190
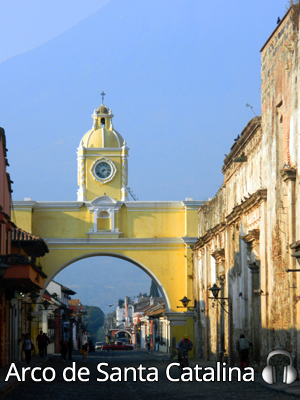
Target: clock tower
x: 102, y: 160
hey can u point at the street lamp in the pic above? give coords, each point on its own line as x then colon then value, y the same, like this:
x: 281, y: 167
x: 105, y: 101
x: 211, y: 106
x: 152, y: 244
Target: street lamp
x: 215, y: 291
x: 185, y: 301
x: 3, y: 269
x: 34, y: 296
x: 46, y: 304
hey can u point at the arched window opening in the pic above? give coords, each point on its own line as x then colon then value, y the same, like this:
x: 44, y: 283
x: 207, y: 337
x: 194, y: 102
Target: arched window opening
x: 102, y: 122
x: 103, y: 214
x: 103, y: 221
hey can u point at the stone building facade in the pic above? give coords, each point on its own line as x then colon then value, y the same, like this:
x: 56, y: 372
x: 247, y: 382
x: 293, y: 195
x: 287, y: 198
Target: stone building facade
x: 249, y: 231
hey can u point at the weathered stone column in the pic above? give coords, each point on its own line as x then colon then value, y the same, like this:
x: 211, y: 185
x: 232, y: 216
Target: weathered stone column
x: 219, y: 256
x: 253, y: 256
x: 256, y: 313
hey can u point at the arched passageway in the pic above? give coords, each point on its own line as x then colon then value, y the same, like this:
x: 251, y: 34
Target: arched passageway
x: 122, y: 257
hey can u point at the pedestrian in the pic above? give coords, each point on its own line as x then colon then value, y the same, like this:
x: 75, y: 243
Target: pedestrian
x: 46, y: 342
x: 148, y: 343
x: 84, y: 351
x: 40, y: 339
x: 27, y: 347
x: 70, y: 347
x: 64, y: 349
x: 91, y: 346
x: 183, y: 347
x: 243, y: 345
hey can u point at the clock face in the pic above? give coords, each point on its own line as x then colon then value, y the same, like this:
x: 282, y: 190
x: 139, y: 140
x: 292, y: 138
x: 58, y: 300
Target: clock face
x: 103, y: 170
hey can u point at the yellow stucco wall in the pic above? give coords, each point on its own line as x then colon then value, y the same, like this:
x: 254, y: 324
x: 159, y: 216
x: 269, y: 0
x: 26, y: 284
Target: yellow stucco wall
x: 24, y: 218
x: 149, y: 235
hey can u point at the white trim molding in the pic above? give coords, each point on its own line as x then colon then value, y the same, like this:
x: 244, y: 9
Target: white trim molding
x: 189, y: 240
x: 193, y: 204
x: 114, y: 241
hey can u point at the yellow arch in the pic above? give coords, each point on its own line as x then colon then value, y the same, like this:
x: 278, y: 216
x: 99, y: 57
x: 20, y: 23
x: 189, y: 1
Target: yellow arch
x: 155, y: 236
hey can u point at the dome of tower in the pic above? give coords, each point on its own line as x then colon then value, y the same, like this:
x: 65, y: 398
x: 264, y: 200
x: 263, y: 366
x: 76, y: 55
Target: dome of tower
x: 102, y: 110
x: 102, y: 135
x: 101, y: 138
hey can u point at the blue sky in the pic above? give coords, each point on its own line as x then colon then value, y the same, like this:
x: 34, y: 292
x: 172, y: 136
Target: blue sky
x: 177, y: 74
x: 104, y: 280
x: 28, y: 24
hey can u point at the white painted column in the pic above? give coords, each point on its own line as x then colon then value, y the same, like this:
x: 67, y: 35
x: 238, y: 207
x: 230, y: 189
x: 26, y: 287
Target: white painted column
x: 112, y: 219
x: 95, y: 219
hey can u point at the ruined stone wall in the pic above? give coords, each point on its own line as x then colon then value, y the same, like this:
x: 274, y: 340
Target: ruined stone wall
x: 221, y: 253
x: 211, y: 214
x: 280, y: 119
x: 246, y: 231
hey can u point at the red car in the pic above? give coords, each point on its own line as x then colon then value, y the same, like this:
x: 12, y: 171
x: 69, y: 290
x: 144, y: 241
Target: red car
x: 117, y: 346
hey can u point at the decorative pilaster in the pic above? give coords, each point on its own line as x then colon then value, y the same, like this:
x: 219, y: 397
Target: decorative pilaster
x: 124, y: 192
x: 219, y: 255
x: 252, y: 243
x: 81, y: 193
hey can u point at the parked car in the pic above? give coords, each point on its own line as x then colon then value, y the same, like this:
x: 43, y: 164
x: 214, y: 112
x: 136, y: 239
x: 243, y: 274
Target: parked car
x: 117, y: 346
x: 123, y: 340
x: 98, y: 345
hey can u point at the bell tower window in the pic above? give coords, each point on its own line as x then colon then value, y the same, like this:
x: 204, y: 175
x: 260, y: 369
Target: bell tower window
x: 102, y: 122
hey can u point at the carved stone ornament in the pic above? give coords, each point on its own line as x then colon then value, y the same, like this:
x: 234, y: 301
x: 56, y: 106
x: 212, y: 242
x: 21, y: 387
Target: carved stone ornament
x: 112, y: 166
x: 218, y: 255
x: 288, y: 174
x: 253, y: 251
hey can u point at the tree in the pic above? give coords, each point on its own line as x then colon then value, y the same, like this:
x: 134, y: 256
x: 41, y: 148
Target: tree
x: 94, y: 319
x: 121, y: 303
x: 153, y: 289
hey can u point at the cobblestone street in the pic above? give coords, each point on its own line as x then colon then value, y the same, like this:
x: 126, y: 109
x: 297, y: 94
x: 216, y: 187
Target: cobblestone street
x: 164, y: 389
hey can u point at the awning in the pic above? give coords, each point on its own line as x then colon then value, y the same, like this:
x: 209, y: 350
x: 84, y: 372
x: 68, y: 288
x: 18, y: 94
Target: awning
x: 22, y: 275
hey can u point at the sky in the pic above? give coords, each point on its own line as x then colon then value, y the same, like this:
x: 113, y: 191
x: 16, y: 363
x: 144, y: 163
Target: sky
x: 28, y: 24
x: 104, y: 280
x: 177, y: 75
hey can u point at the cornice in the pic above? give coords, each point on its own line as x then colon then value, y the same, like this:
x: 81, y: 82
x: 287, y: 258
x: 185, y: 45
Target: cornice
x: 22, y: 204
x: 189, y: 239
x: 114, y: 241
x: 193, y: 205
x: 252, y: 236
x: 253, y: 201
x: 174, y: 316
x: 248, y: 132
x: 288, y: 174
x: 219, y: 254
x: 154, y: 205
x: 209, y: 235
x: 57, y: 205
